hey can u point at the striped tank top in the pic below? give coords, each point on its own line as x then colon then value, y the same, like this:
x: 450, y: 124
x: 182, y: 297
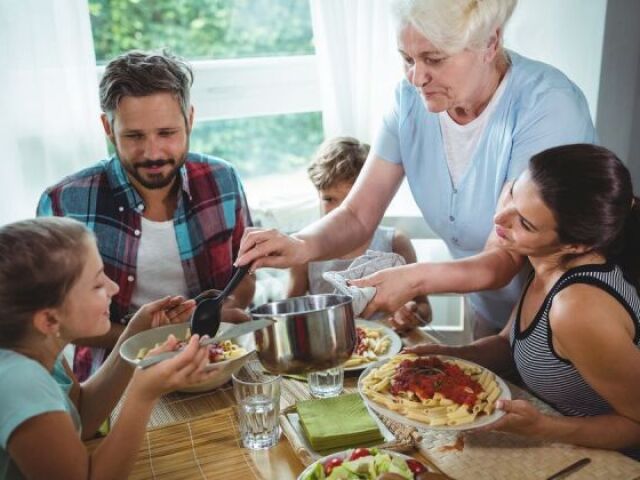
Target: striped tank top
x: 552, y: 378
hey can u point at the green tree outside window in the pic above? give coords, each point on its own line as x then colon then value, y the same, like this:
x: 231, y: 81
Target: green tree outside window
x: 222, y: 29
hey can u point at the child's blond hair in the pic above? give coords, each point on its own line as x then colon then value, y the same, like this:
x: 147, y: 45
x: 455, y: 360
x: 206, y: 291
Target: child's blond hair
x: 337, y: 160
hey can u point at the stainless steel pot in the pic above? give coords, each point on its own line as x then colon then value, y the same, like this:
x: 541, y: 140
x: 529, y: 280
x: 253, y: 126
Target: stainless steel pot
x: 314, y: 332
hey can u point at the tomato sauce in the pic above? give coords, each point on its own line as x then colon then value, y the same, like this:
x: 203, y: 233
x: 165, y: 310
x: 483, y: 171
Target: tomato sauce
x: 361, y: 346
x: 428, y: 375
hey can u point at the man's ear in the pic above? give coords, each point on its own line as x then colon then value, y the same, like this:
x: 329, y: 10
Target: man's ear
x: 46, y: 322
x: 106, y: 125
x: 190, y: 119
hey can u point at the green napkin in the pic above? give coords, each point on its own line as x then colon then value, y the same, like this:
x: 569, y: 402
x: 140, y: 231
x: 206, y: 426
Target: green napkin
x: 338, y: 422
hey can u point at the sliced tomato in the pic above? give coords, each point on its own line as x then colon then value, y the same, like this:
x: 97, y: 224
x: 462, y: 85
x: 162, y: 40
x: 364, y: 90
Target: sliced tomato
x: 330, y: 464
x: 415, y: 466
x: 359, y: 452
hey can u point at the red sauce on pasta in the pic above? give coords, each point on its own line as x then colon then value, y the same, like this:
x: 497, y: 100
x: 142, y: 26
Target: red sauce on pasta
x: 428, y: 375
x: 361, y: 346
x: 216, y: 351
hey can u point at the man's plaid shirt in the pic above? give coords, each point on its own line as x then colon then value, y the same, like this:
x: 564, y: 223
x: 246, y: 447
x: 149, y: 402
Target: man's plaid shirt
x: 209, y: 221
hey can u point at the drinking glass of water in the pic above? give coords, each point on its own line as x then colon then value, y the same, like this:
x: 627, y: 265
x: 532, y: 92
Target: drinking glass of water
x: 258, y: 396
x: 326, y: 383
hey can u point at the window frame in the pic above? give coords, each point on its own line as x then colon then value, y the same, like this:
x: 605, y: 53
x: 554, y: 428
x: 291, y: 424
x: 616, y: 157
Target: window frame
x: 227, y: 89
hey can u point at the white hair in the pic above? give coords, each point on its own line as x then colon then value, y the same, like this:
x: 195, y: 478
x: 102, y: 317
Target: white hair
x: 453, y: 25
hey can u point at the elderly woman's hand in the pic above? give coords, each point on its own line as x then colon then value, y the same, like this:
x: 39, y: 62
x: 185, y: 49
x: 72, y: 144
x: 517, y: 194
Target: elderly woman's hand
x: 270, y: 248
x: 166, y: 311
x: 394, y: 288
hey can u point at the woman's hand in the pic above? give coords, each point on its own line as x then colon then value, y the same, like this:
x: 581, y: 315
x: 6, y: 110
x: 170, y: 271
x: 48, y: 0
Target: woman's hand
x: 394, y: 288
x: 270, y: 248
x: 185, y: 369
x: 165, y: 311
x: 430, y: 349
x: 411, y: 315
x: 521, y: 418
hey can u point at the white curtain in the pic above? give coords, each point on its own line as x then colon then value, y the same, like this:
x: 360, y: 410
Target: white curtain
x: 359, y: 67
x: 358, y: 64
x: 49, y: 125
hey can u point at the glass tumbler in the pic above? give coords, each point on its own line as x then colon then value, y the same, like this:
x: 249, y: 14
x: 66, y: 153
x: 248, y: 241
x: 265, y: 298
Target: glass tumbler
x: 326, y: 383
x: 258, y: 396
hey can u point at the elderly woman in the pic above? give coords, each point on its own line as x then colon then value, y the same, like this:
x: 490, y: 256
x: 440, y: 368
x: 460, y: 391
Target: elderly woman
x: 574, y: 337
x: 466, y: 119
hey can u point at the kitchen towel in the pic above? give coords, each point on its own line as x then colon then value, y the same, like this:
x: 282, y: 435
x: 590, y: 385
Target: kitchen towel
x: 371, y: 262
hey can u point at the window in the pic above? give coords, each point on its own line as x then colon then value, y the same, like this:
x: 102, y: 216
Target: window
x: 203, y: 29
x: 255, y: 93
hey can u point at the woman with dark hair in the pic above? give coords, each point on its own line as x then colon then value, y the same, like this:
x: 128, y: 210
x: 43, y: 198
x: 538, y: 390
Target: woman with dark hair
x: 574, y: 336
x: 53, y: 290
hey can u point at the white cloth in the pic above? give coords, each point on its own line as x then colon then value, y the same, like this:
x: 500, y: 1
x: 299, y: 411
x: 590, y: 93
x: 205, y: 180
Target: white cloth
x: 367, y: 264
x: 358, y: 64
x: 461, y: 141
x: 50, y: 123
x: 159, y: 268
x: 382, y: 241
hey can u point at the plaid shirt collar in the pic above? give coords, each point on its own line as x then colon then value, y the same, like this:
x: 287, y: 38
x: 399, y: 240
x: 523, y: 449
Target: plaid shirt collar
x: 122, y: 187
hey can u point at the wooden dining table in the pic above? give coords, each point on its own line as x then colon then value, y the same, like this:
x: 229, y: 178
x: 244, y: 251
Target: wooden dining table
x: 195, y: 436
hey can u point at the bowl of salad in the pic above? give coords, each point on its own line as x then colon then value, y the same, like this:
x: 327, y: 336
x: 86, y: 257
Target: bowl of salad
x: 365, y: 464
x: 227, y: 356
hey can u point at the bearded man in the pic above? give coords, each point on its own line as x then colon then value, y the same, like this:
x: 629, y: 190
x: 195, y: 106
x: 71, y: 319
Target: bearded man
x: 168, y: 221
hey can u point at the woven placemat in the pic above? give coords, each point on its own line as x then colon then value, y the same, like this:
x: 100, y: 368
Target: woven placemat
x: 495, y: 456
x: 207, y: 447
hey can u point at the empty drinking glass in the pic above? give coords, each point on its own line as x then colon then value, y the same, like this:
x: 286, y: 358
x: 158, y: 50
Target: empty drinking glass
x: 258, y: 396
x: 326, y: 383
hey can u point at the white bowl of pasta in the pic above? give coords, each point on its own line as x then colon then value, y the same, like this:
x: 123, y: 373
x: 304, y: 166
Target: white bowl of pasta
x: 227, y: 357
x: 435, y: 392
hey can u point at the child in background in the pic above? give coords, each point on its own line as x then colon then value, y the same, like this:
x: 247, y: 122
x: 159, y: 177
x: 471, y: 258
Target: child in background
x: 333, y: 171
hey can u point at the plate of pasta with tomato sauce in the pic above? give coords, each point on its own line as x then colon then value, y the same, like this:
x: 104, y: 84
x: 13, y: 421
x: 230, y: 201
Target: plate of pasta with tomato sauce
x: 433, y: 392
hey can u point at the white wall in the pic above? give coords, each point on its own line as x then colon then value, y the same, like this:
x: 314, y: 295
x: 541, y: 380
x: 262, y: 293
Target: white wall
x: 567, y: 34
x: 618, y: 120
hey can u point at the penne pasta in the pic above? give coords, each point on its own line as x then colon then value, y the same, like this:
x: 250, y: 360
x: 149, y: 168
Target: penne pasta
x: 399, y: 385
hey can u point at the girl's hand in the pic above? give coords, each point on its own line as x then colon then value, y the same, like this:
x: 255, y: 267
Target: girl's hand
x: 187, y: 368
x: 411, y: 315
x: 167, y: 310
x: 394, y: 288
x: 521, y: 418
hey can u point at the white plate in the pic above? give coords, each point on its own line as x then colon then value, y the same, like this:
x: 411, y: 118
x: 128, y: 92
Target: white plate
x: 394, y: 347
x: 149, y: 338
x: 345, y: 453
x: 481, y: 421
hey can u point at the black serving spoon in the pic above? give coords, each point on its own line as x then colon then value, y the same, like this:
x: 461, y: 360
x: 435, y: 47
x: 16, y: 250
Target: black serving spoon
x: 207, y: 316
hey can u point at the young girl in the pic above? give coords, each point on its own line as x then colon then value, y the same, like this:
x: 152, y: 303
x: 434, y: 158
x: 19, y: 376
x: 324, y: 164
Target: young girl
x: 574, y: 337
x: 53, y: 290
